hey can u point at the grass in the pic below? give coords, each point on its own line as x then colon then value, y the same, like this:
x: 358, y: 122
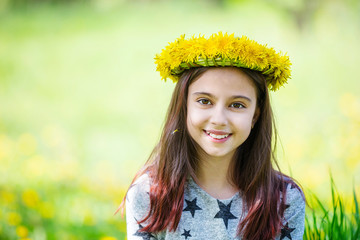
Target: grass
x: 334, y: 222
x: 59, y: 211
x: 74, y: 210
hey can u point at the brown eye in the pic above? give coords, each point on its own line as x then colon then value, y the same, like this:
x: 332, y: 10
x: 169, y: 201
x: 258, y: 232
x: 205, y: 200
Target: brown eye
x: 204, y: 101
x: 237, y: 105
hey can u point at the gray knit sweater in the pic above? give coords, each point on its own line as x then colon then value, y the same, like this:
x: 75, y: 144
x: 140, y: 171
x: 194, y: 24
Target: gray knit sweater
x: 205, y: 217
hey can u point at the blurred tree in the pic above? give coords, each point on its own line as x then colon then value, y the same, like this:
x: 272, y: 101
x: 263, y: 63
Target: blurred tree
x: 302, y: 12
x: 34, y: 3
x: 219, y: 3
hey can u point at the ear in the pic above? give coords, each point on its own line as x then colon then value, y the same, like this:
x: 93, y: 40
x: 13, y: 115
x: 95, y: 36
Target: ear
x: 255, y: 117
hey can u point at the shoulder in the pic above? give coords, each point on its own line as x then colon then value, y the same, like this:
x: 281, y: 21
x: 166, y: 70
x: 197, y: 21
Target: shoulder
x: 295, y: 198
x: 295, y: 201
x: 137, y: 207
x: 293, y: 191
x: 287, y: 184
x: 138, y: 193
x: 142, y: 183
x: 294, y: 215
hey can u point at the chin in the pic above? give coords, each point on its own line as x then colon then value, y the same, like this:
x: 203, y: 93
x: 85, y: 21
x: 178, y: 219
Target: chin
x: 218, y: 154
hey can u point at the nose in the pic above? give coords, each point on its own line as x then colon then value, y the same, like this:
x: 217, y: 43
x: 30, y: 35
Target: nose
x: 218, y: 116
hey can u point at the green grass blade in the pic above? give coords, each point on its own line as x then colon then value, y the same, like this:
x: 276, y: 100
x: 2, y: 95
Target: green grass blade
x: 356, y: 215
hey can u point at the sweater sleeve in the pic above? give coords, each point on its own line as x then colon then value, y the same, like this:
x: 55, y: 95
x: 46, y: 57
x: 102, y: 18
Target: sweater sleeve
x: 137, y: 207
x: 294, y: 215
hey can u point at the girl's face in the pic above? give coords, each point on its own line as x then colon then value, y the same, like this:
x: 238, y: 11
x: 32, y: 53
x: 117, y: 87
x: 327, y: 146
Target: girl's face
x: 221, y: 110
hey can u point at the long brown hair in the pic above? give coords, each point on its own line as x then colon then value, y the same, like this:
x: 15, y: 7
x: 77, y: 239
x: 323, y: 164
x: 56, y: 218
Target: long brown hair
x: 174, y: 159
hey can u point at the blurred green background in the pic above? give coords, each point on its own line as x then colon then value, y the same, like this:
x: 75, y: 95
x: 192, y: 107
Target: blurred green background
x: 81, y: 105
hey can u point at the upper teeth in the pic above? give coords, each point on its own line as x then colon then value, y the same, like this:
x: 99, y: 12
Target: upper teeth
x: 217, y: 136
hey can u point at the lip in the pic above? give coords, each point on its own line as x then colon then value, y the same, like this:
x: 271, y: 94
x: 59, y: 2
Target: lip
x: 217, y: 132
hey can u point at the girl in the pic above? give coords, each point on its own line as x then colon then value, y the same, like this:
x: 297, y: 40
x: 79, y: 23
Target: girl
x: 211, y: 176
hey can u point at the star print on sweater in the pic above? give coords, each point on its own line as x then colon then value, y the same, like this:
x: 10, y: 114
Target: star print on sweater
x: 144, y: 235
x: 186, y: 234
x: 285, y: 232
x: 206, y: 217
x: 292, y: 186
x: 225, y: 213
x: 191, y: 207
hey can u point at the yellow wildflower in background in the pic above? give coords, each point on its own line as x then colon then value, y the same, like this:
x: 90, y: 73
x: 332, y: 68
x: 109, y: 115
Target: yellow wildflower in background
x: 30, y: 198
x: 89, y: 219
x: 22, y: 231
x: 13, y: 219
x: 108, y: 238
x: 7, y: 197
x: 46, y: 210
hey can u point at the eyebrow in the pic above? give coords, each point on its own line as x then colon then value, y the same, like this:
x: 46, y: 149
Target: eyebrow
x: 212, y: 96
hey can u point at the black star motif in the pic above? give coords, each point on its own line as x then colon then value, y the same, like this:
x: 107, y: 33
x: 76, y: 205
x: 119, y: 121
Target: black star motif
x: 186, y: 234
x: 285, y: 232
x: 225, y: 213
x: 292, y: 186
x: 191, y: 206
x: 144, y: 235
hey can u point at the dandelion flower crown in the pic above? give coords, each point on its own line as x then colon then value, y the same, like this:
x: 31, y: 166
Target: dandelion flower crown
x: 223, y: 50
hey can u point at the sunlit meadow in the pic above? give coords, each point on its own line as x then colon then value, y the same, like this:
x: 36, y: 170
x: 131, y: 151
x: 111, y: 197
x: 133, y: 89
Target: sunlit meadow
x: 81, y: 107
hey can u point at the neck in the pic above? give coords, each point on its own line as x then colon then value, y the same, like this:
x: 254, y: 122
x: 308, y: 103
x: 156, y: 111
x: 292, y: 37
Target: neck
x: 212, y: 176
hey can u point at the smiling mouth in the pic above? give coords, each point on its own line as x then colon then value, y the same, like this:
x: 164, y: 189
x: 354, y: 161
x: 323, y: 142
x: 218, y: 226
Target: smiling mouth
x: 217, y: 136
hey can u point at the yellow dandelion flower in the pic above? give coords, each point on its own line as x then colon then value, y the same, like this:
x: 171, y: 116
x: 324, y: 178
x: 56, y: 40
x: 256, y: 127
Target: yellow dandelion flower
x: 223, y: 50
x: 108, y: 238
x: 7, y: 197
x: 46, y: 210
x: 14, y: 219
x: 89, y: 219
x: 30, y: 198
x: 22, y: 231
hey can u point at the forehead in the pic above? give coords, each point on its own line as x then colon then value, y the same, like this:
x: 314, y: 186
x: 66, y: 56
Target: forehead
x: 220, y: 81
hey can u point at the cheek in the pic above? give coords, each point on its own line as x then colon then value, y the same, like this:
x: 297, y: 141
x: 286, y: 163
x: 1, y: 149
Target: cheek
x: 192, y: 124
x: 195, y: 118
x: 244, y: 123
